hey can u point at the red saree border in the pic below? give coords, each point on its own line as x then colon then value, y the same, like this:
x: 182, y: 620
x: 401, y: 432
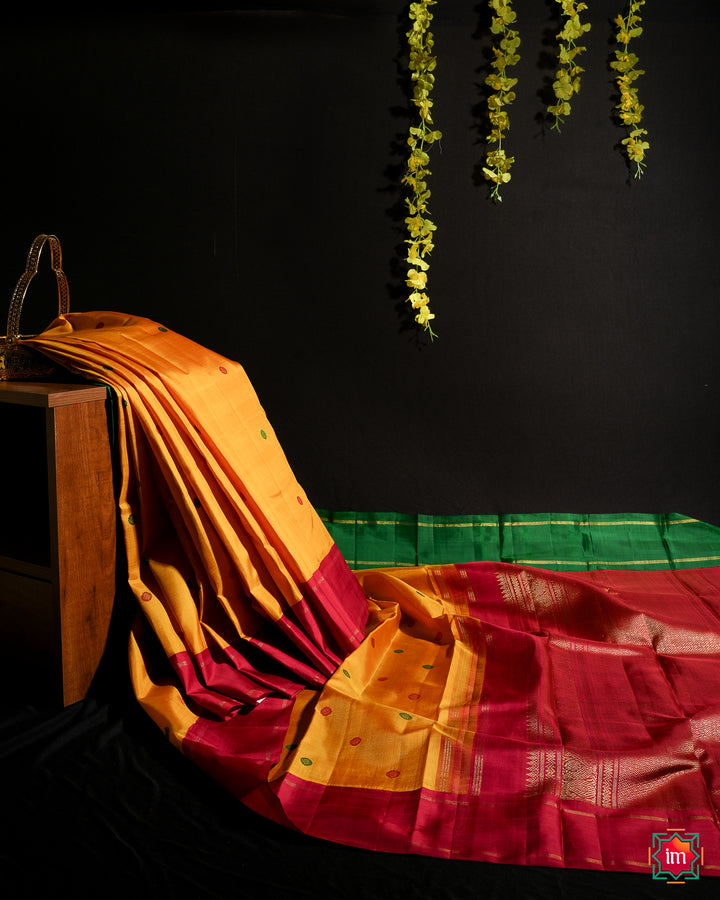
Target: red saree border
x: 459, y: 826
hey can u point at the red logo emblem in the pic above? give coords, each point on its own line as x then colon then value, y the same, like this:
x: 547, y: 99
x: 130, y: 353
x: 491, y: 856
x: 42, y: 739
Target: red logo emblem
x: 676, y: 856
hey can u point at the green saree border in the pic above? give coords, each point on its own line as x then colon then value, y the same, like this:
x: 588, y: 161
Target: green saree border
x: 560, y: 541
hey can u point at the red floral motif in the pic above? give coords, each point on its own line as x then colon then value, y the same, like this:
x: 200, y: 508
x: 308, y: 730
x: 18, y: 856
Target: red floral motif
x: 325, y: 711
x: 393, y: 773
x: 146, y: 595
x: 355, y: 741
x: 223, y: 370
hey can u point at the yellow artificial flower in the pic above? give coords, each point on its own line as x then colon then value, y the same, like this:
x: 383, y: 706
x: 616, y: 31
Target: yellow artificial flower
x: 418, y: 299
x: 416, y: 279
x: 415, y: 259
x: 424, y: 316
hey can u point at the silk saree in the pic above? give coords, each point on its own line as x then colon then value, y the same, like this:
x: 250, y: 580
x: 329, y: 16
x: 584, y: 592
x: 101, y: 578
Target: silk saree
x: 544, y: 703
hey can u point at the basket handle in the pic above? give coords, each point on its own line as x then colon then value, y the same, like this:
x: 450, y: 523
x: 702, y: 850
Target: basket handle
x: 31, y: 267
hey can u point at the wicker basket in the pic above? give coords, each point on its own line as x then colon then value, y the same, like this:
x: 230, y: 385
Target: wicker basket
x: 17, y: 362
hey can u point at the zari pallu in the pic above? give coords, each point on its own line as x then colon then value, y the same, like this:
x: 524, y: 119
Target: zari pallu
x: 489, y: 710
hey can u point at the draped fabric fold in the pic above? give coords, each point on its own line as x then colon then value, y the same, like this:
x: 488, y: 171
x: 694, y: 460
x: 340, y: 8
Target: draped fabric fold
x: 483, y: 709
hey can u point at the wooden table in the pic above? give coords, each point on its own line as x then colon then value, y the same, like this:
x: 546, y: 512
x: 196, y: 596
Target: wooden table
x: 57, y: 536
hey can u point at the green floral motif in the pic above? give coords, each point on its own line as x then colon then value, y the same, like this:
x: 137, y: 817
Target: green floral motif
x: 506, y: 41
x: 404, y: 715
x: 420, y: 226
x: 629, y: 108
x: 567, y: 75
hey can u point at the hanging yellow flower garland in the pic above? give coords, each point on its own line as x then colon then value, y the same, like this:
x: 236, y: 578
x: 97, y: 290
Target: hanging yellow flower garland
x: 505, y: 44
x: 566, y: 85
x: 506, y: 41
x: 419, y: 224
x: 567, y: 75
x: 629, y: 108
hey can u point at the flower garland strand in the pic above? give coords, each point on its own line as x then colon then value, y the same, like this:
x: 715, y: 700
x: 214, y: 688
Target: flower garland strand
x: 567, y: 76
x: 497, y: 170
x: 629, y: 108
x: 419, y: 224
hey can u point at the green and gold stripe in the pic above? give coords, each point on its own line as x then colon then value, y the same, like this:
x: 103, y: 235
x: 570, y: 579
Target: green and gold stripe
x: 553, y: 541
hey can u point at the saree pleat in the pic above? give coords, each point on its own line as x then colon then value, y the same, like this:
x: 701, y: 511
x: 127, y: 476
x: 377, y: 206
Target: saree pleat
x: 540, y: 690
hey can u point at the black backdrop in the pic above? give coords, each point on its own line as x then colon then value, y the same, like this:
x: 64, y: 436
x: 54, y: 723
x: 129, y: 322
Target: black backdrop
x: 235, y: 174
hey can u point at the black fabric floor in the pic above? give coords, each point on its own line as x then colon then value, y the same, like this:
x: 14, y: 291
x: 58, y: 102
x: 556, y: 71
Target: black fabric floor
x: 97, y: 804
